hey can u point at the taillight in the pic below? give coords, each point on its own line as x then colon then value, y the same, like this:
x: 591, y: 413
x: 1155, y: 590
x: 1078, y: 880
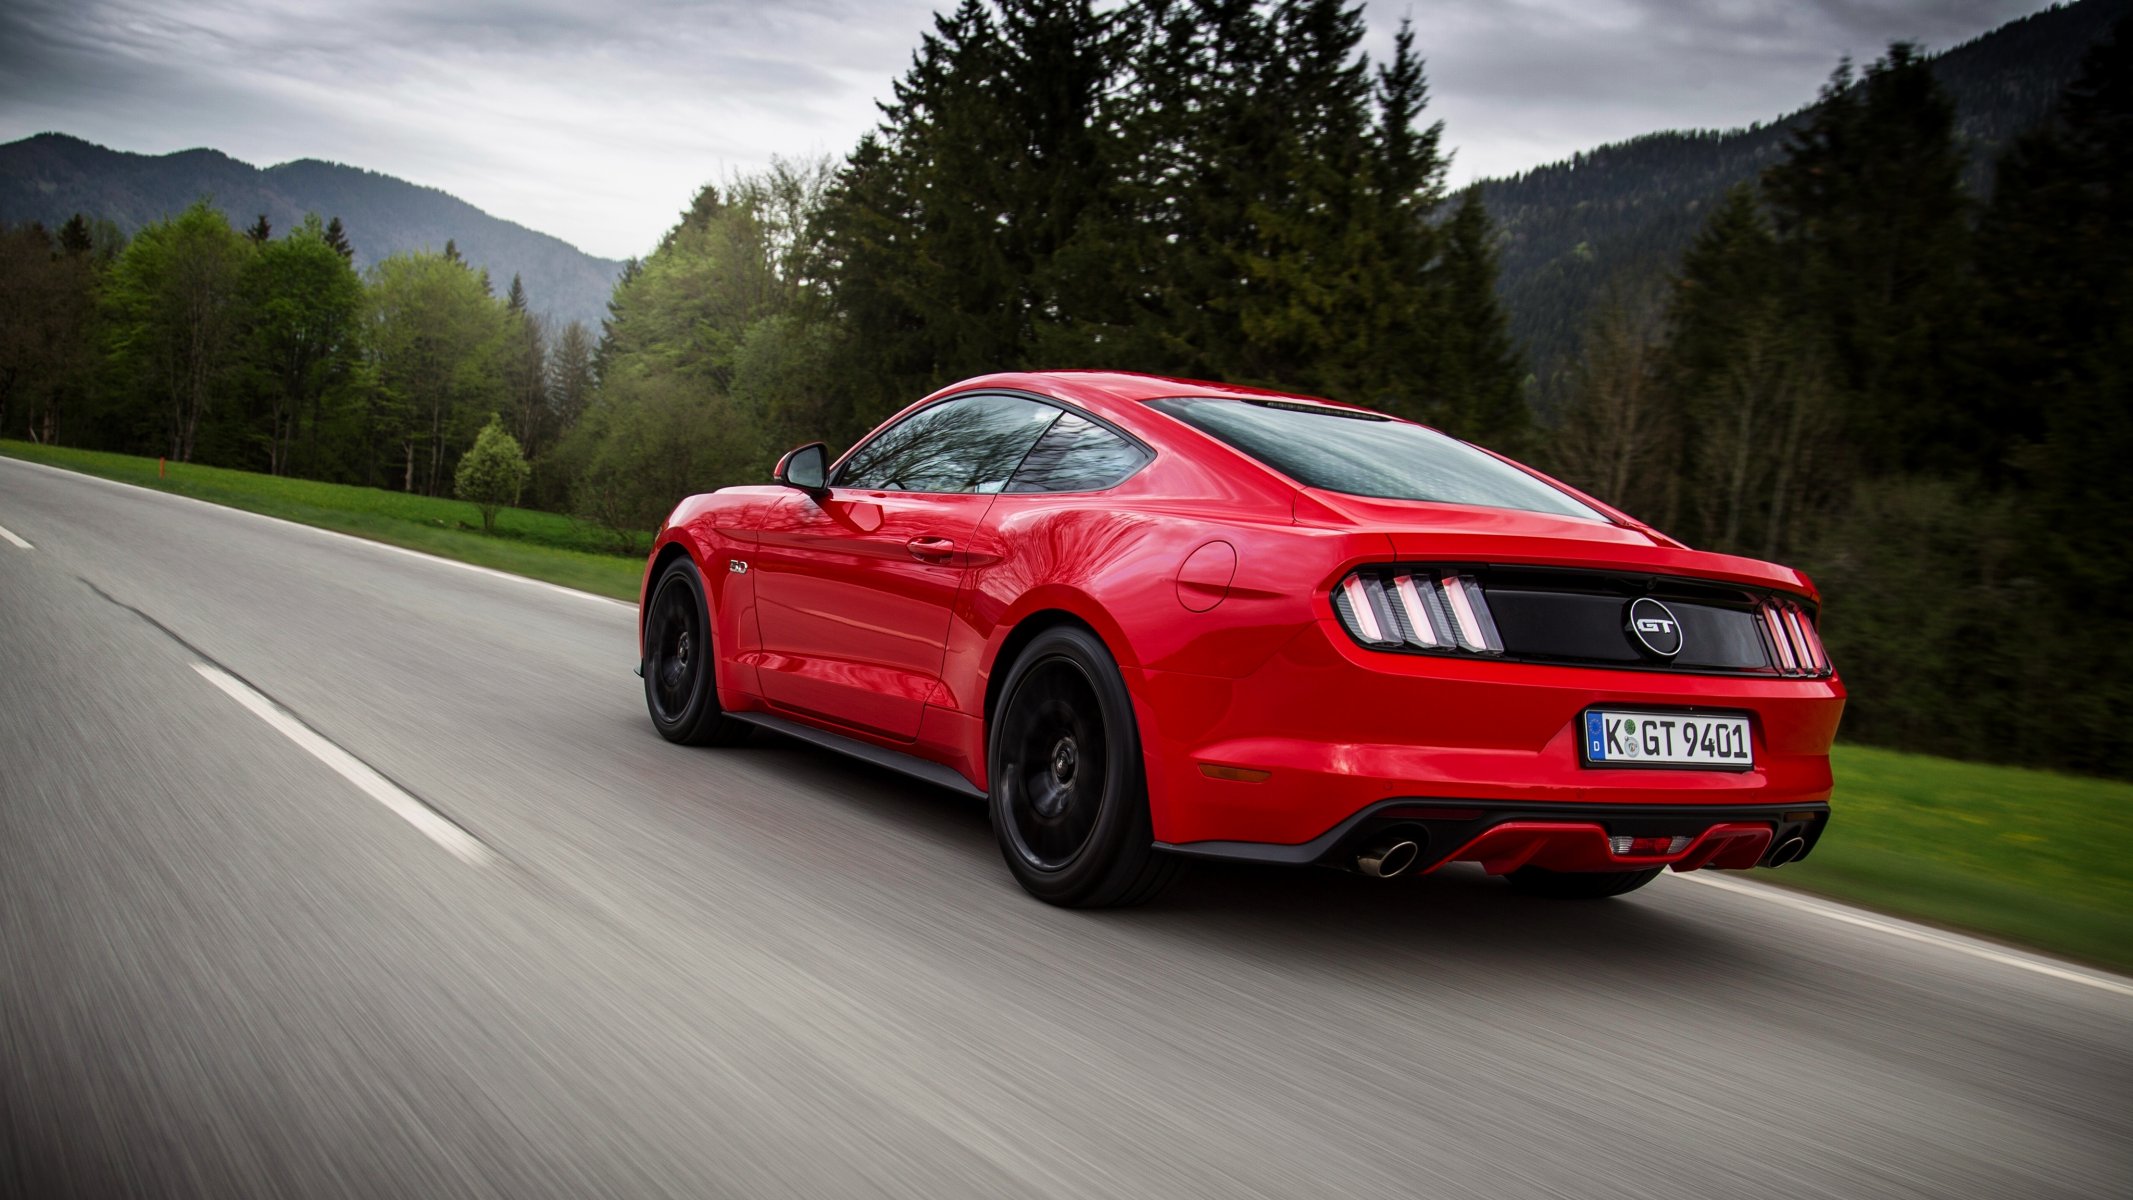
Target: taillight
x: 1417, y: 609
x: 1796, y: 645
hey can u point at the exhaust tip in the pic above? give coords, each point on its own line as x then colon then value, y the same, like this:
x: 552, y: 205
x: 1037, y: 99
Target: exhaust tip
x: 1788, y: 850
x: 1387, y: 859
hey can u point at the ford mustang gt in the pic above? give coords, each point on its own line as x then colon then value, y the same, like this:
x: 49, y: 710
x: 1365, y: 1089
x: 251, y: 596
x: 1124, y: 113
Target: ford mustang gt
x: 1155, y: 619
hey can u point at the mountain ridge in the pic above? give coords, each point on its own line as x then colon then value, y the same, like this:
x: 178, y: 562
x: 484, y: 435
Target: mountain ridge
x: 1619, y: 215
x: 50, y: 176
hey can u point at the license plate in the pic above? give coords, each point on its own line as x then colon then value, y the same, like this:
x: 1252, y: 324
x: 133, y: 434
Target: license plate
x: 1614, y: 738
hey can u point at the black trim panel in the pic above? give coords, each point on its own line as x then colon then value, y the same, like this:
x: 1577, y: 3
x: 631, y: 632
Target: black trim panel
x: 894, y: 760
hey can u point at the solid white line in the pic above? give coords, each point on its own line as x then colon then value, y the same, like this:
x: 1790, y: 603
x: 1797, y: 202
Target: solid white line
x: 573, y: 593
x: 1910, y: 932
x: 376, y: 786
x: 9, y: 535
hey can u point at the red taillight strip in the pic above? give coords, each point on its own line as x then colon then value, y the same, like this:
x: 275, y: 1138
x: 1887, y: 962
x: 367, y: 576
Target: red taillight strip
x: 1803, y: 636
x: 1491, y: 640
x: 1814, y: 642
x: 1468, y: 626
x: 1797, y: 620
x: 1794, y: 640
x: 1366, y: 618
x: 1776, y: 626
x: 1425, y: 632
x: 1791, y: 616
x: 1438, y: 610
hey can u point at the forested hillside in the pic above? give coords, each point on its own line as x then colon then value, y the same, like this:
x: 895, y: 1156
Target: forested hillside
x: 50, y: 177
x: 1614, y: 219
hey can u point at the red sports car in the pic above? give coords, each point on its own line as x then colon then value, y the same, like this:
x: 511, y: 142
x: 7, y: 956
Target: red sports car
x: 1156, y: 619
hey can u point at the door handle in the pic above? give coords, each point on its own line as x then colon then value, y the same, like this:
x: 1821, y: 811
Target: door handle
x: 930, y: 549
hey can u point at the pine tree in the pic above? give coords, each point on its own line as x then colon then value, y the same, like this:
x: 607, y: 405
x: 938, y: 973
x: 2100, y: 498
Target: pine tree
x: 337, y: 238
x: 1403, y: 313
x: 515, y: 300
x: 612, y: 324
x: 260, y: 232
x: 1870, y: 206
x: 2056, y: 257
x: 451, y: 253
x: 1743, y: 376
x: 1477, y: 380
x: 571, y: 378
x: 944, y: 227
x: 75, y: 236
x: 1617, y: 436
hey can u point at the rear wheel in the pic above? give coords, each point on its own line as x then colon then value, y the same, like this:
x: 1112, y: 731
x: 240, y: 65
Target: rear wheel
x: 678, y: 686
x: 1069, y: 794
x: 1580, y: 885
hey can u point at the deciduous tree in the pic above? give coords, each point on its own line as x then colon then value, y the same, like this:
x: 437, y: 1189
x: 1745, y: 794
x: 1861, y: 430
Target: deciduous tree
x: 305, y: 302
x: 176, y: 312
x: 492, y: 472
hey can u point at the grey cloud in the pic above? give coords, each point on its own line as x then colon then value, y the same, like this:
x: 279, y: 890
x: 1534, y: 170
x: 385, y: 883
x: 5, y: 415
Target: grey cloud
x: 596, y: 122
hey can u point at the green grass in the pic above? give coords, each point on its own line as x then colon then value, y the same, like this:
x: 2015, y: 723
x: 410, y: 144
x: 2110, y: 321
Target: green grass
x: 2030, y: 857
x: 535, y: 544
x: 2024, y: 856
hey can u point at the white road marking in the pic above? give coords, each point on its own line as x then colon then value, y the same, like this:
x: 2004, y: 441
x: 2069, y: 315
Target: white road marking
x: 573, y: 593
x: 376, y: 786
x: 1903, y: 929
x: 7, y: 534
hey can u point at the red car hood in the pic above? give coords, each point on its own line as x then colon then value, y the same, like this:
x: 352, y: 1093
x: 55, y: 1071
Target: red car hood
x: 1465, y: 533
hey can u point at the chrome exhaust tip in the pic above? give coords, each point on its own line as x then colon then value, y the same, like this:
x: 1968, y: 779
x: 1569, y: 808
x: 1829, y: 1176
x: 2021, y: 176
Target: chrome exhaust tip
x: 1788, y: 850
x: 1387, y: 859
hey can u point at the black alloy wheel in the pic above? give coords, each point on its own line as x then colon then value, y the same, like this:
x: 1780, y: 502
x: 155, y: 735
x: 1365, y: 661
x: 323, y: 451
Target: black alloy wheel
x: 678, y: 686
x: 1069, y: 797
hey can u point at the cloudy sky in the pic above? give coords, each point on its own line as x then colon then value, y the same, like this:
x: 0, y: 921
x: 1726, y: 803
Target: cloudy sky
x: 597, y: 121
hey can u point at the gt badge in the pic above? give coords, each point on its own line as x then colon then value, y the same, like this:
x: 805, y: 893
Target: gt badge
x: 1654, y: 627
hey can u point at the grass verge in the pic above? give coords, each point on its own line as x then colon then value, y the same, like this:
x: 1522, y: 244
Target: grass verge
x: 2024, y: 856
x: 538, y: 545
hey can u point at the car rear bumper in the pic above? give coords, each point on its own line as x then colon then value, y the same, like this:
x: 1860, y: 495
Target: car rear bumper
x: 1327, y: 737
x: 1502, y: 837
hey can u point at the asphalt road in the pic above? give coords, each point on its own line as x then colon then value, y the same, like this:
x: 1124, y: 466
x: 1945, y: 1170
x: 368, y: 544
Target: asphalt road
x: 227, y: 969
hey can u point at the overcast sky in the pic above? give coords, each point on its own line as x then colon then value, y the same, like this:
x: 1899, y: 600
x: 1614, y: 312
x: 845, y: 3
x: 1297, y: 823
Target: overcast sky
x: 596, y: 121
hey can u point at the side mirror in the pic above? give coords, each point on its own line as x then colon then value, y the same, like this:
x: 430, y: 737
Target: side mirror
x: 806, y: 468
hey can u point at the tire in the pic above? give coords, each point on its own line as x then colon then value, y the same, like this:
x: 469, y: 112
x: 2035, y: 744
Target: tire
x: 1069, y: 794
x: 1580, y: 885
x: 678, y: 687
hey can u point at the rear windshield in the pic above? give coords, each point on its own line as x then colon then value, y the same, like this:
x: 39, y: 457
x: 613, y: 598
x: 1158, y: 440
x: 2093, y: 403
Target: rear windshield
x: 1363, y: 454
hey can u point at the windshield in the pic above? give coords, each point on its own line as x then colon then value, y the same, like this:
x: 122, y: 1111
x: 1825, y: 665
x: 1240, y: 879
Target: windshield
x: 1363, y: 454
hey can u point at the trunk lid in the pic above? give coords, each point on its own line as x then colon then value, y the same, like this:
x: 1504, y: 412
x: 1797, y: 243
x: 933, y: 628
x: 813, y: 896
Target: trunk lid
x: 1422, y: 531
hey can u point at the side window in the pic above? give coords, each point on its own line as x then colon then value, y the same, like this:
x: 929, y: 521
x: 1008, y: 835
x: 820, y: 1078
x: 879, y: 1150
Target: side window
x: 1077, y: 455
x: 966, y: 445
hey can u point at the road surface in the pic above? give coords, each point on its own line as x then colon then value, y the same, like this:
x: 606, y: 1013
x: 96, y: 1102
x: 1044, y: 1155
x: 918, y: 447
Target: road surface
x: 332, y: 870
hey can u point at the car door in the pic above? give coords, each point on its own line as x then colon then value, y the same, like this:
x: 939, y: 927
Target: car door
x: 855, y: 588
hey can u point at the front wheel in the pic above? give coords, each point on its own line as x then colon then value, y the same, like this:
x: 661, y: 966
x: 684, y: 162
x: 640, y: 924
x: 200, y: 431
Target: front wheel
x: 1069, y: 795
x: 678, y: 686
x: 1580, y: 885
